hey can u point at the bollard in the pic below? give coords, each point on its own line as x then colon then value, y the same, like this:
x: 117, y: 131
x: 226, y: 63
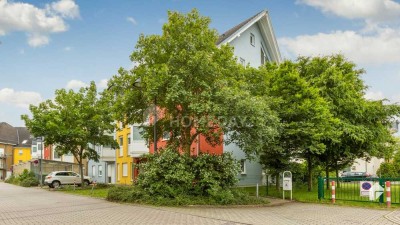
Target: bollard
x: 94, y: 184
x: 333, y: 192
x: 257, y: 191
x: 388, y: 194
x: 74, y: 185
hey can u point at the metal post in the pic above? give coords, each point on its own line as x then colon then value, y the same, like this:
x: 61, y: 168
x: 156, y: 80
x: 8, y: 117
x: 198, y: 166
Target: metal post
x: 257, y: 191
x: 267, y: 185
x: 155, y: 125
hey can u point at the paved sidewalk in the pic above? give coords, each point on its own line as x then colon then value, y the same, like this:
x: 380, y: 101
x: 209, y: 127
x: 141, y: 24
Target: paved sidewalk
x: 20, y: 205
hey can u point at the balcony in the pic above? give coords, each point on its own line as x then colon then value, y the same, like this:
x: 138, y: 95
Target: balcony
x: 107, y: 154
x: 138, y: 148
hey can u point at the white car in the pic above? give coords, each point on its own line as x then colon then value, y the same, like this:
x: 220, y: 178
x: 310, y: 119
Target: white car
x: 57, y: 178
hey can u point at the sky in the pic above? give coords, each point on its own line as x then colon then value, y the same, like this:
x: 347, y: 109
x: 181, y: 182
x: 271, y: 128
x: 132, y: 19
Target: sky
x: 54, y: 44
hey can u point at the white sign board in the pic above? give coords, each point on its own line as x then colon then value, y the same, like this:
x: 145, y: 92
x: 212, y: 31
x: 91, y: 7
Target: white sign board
x: 365, y: 188
x: 287, y: 183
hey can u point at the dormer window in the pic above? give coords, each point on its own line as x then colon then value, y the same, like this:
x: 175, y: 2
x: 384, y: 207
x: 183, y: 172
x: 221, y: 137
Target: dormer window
x: 252, y: 39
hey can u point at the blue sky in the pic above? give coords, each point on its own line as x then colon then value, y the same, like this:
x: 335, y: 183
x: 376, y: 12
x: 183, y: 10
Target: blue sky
x: 47, y: 45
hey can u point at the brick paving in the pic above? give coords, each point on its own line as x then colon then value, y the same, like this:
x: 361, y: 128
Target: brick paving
x: 20, y: 205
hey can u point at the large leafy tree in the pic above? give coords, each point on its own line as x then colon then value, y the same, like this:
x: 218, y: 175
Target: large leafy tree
x: 74, y: 122
x: 303, y: 113
x: 363, y: 125
x: 196, y: 86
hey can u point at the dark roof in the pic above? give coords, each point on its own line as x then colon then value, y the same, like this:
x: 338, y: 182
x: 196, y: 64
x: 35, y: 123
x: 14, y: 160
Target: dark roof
x: 8, y: 134
x: 231, y: 31
x: 15, y: 135
x: 25, y: 139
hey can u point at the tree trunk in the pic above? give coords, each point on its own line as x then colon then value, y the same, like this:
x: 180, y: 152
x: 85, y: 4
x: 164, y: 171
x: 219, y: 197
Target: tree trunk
x: 81, y: 168
x: 327, y: 177
x: 337, y: 175
x: 277, y: 182
x: 309, y: 165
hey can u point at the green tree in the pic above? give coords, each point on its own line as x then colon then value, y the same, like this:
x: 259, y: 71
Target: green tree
x: 362, y: 128
x: 195, y: 86
x: 73, y: 122
x: 303, y: 113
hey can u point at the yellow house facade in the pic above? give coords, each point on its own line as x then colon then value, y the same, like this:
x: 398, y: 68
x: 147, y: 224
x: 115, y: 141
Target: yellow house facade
x: 123, y: 159
x: 21, y: 154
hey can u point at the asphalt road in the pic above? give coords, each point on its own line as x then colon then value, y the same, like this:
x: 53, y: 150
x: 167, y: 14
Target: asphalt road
x: 20, y: 205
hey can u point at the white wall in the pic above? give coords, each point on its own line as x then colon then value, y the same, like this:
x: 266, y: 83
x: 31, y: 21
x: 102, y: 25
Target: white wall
x: 360, y: 165
x: 243, y: 48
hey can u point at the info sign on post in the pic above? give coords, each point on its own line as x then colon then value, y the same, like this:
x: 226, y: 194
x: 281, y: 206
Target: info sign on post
x: 287, y: 183
x: 365, y: 188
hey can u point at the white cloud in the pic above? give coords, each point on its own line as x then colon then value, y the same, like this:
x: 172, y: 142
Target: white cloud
x: 369, y: 10
x: 370, y: 95
x: 19, y: 98
x: 36, y: 22
x: 36, y: 40
x: 102, y: 83
x: 75, y: 84
x: 131, y: 20
x: 66, y: 8
x: 383, y: 46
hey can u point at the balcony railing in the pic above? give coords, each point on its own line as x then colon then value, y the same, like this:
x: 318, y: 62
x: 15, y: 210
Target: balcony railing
x: 138, y: 148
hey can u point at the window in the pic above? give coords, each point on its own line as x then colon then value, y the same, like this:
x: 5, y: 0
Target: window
x: 56, y: 155
x: 252, y: 39
x: 20, y: 152
x: 121, y: 140
x: 129, y: 139
x: 136, y: 136
x: 93, y: 171
x: 34, y: 149
x: 1, y: 151
x: 118, y: 171
x: 264, y: 58
x: 242, y: 61
x: 100, y: 170
x: 166, y: 135
x: 124, y: 169
x: 243, y: 166
x: 121, y: 146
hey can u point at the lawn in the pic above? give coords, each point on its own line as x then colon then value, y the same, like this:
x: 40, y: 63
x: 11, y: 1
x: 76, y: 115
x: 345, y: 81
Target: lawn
x: 97, y: 192
x: 348, y: 194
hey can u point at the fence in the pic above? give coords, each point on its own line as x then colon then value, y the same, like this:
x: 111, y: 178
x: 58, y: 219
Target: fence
x: 47, y: 166
x: 360, y: 189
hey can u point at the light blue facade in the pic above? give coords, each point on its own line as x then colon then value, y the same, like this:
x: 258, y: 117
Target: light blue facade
x: 254, y: 43
x: 104, y: 170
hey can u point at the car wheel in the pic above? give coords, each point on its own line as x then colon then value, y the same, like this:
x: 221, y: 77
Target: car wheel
x: 86, y: 183
x: 56, y: 184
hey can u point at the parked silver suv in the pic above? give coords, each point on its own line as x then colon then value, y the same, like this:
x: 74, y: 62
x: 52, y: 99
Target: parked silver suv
x: 57, y: 178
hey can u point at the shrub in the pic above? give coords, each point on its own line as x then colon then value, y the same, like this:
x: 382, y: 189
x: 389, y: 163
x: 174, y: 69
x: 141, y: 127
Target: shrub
x: 29, y: 182
x: 388, y: 169
x: 169, y: 178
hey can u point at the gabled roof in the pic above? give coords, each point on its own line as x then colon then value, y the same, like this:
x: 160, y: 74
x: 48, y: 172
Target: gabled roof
x: 8, y: 134
x: 265, y: 25
x: 16, y: 136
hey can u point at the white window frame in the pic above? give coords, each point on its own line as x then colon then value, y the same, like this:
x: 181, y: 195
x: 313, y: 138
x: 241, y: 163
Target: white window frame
x: 243, y: 166
x: 252, y: 39
x: 100, y: 169
x: 118, y: 171
x: 93, y: 171
x: 124, y: 169
x: 121, y: 146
